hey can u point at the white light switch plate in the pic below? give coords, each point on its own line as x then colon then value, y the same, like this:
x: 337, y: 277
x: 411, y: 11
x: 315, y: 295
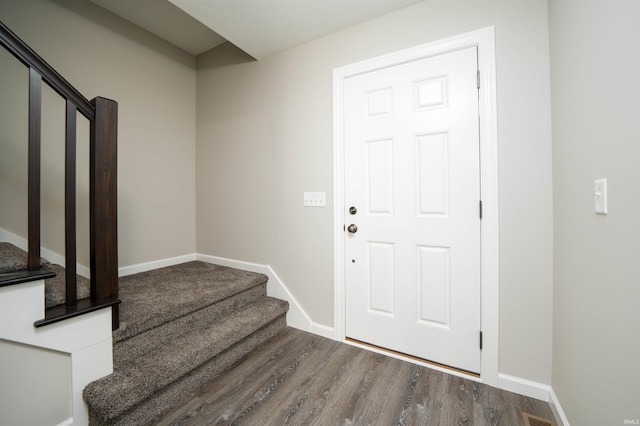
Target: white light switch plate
x: 315, y: 199
x: 601, y: 196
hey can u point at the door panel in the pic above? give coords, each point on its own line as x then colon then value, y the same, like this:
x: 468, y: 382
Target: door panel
x: 412, y: 171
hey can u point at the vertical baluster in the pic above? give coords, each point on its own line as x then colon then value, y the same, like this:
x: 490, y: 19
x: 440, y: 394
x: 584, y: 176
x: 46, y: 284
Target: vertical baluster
x: 70, y: 204
x: 35, y: 118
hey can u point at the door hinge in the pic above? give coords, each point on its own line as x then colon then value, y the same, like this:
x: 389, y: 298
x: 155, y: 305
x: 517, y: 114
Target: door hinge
x: 480, y: 209
x: 478, y: 78
x: 481, y: 340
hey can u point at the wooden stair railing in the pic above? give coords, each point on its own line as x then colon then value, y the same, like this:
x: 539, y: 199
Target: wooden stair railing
x: 103, y: 116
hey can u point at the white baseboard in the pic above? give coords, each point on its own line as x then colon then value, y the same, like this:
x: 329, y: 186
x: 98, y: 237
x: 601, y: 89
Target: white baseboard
x: 323, y: 330
x: 296, y: 317
x: 148, y: 266
x: 524, y: 387
x: 51, y: 256
x: 83, y: 270
x: 14, y: 239
x: 67, y: 422
x: 232, y: 263
x: 534, y: 390
x: 557, y: 408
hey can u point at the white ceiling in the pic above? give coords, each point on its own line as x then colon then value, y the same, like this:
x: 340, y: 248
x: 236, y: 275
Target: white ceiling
x: 259, y: 27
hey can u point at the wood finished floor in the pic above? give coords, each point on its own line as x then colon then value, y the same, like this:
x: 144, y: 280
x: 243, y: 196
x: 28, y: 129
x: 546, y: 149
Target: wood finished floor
x: 299, y: 378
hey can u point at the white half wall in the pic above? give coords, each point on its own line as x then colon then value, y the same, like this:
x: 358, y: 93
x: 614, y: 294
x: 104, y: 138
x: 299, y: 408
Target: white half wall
x: 82, y: 346
x: 34, y: 377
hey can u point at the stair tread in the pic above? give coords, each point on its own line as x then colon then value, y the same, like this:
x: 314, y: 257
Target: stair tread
x: 13, y: 264
x: 183, y: 289
x: 14, y: 259
x: 135, y: 380
x: 55, y: 287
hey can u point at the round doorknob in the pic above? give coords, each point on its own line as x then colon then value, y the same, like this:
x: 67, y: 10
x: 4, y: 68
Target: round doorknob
x: 352, y: 228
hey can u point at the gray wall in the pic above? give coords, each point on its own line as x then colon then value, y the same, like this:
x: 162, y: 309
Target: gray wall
x: 264, y: 136
x: 154, y: 85
x: 595, y: 70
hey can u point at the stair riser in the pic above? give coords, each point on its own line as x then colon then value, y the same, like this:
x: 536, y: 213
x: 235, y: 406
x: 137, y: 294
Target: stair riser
x: 140, y: 344
x: 185, y: 388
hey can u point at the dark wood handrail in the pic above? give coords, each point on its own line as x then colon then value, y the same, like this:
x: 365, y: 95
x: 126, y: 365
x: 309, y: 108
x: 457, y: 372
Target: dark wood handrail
x: 31, y: 59
x: 102, y: 114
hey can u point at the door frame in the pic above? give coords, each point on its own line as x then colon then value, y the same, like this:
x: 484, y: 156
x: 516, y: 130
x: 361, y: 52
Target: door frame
x: 484, y: 39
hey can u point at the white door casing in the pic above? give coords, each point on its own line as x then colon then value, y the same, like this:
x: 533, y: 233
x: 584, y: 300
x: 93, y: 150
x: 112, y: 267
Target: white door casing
x: 483, y: 40
x: 412, y: 174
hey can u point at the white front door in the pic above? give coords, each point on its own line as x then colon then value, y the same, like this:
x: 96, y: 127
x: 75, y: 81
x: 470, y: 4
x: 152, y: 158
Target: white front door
x: 412, y: 190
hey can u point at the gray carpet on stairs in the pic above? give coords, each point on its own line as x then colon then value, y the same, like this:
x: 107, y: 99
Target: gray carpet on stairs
x: 13, y: 259
x: 152, y: 298
x: 54, y: 289
x: 180, y: 327
x: 141, y: 378
x: 183, y: 390
x: 144, y: 342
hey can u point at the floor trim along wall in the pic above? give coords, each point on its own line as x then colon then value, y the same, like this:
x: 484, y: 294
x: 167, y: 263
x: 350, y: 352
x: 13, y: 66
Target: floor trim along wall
x: 51, y: 256
x: 296, y: 317
x: 557, y: 408
x: 156, y: 264
x: 67, y: 422
x: 524, y: 387
x: 534, y: 390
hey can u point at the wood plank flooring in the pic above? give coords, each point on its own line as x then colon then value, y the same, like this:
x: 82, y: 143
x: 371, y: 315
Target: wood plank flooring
x: 299, y: 378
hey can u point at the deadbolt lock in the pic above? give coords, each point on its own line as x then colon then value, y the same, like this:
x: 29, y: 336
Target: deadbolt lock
x: 353, y: 210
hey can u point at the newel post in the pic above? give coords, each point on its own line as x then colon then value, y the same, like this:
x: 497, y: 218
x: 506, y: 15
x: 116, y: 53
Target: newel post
x: 103, y: 167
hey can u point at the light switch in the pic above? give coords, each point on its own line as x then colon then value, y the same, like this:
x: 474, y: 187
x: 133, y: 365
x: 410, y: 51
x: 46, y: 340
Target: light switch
x: 315, y: 199
x: 601, y: 196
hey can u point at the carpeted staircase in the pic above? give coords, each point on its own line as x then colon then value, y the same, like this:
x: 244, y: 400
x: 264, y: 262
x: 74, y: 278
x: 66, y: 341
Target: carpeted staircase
x: 180, y: 326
